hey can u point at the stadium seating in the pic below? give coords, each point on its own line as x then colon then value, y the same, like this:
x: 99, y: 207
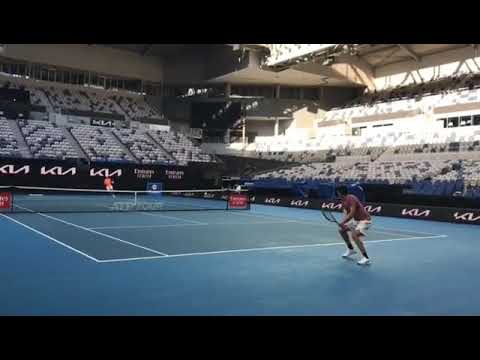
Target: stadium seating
x: 433, y: 160
x: 99, y: 144
x: 135, y: 107
x: 181, y: 147
x: 81, y: 99
x: 143, y: 147
x: 8, y: 142
x: 46, y: 140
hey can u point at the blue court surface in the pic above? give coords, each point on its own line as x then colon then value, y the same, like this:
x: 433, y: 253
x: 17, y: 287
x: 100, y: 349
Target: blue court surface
x: 264, y: 261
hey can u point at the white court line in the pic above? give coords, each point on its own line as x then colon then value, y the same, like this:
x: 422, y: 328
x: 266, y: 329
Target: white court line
x: 400, y: 230
x: 140, y: 227
x: 173, y: 218
x: 50, y: 238
x: 312, y: 222
x: 383, y: 228
x: 268, y: 248
x: 97, y: 232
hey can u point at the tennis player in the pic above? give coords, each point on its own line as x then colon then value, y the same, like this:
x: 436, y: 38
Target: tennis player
x: 108, y: 183
x: 355, y: 224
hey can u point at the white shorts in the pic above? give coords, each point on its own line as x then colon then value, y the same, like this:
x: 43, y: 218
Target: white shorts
x: 360, y: 226
x: 109, y: 188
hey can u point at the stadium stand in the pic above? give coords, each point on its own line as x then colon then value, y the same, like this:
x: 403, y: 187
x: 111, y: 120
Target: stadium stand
x: 99, y: 144
x: 81, y: 100
x: 143, y: 147
x: 135, y: 107
x: 434, y: 160
x: 181, y: 147
x: 8, y: 142
x: 46, y: 140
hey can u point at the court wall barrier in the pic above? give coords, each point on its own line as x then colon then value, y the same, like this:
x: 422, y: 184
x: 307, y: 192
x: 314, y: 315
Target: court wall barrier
x: 74, y: 174
x: 446, y: 214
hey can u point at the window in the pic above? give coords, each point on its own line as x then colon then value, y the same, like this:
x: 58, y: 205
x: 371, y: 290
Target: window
x: 444, y: 121
x: 358, y: 131
x: 81, y: 79
x: 14, y: 69
x: 476, y: 119
x: 93, y: 79
x: 44, y: 74
x: 465, y: 120
x: 452, y: 122
x: 310, y: 93
x: 36, y: 72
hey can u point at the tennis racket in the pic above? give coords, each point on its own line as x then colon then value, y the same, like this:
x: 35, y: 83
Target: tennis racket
x: 330, y: 217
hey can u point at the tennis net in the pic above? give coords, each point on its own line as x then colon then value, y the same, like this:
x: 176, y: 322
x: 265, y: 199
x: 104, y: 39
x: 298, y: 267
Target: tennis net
x: 43, y: 200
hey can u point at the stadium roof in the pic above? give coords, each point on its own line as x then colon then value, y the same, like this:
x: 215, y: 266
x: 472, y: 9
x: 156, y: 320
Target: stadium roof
x: 316, y: 71
x: 377, y: 55
x: 163, y: 50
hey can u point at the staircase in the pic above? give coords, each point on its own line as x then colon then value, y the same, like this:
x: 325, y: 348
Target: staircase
x: 23, y: 148
x: 122, y: 145
x: 155, y: 141
x: 46, y: 100
x: 154, y: 104
x: 50, y: 102
x: 75, y: 144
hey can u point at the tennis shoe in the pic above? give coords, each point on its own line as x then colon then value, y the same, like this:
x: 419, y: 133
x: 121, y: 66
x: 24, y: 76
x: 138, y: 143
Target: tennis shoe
x: 364, y: 261
x: 349, y: 253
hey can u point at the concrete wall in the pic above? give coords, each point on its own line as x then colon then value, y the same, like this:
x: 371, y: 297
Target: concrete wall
x: 177, y: 109
x: 262, y: 128
x: 185, y: 70
x: 89, y: 58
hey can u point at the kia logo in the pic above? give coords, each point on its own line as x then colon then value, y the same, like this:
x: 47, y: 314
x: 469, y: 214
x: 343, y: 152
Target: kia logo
x: 102, y: 122
x: 416, y: 212
x: 331, y: 206
x: 469, y: 217
x: 10, y: 170
x: 299, y: 203
x: 105, y: 172
x: 57, y: 171
x: 375, y: 210
x: 272, y: 201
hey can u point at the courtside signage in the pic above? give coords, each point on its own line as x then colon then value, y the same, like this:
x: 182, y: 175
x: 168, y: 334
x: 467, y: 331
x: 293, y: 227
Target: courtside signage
x: 5, y: 201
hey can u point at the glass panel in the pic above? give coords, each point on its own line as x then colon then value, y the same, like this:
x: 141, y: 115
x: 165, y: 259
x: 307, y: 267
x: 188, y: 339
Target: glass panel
x: 465, y: 120
x: 81, y: 79
x: 476, y: 120
x: 453, y: 122
x: 44, y: 74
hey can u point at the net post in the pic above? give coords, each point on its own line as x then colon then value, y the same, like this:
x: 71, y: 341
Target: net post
x: 227, y: 207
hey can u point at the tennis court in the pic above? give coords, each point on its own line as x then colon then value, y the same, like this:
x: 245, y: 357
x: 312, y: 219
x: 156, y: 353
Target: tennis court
x: 262, y: 261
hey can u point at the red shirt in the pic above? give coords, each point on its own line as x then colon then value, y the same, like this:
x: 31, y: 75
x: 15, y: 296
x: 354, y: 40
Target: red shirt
x: 352, y: 201
x: 107, y: 182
